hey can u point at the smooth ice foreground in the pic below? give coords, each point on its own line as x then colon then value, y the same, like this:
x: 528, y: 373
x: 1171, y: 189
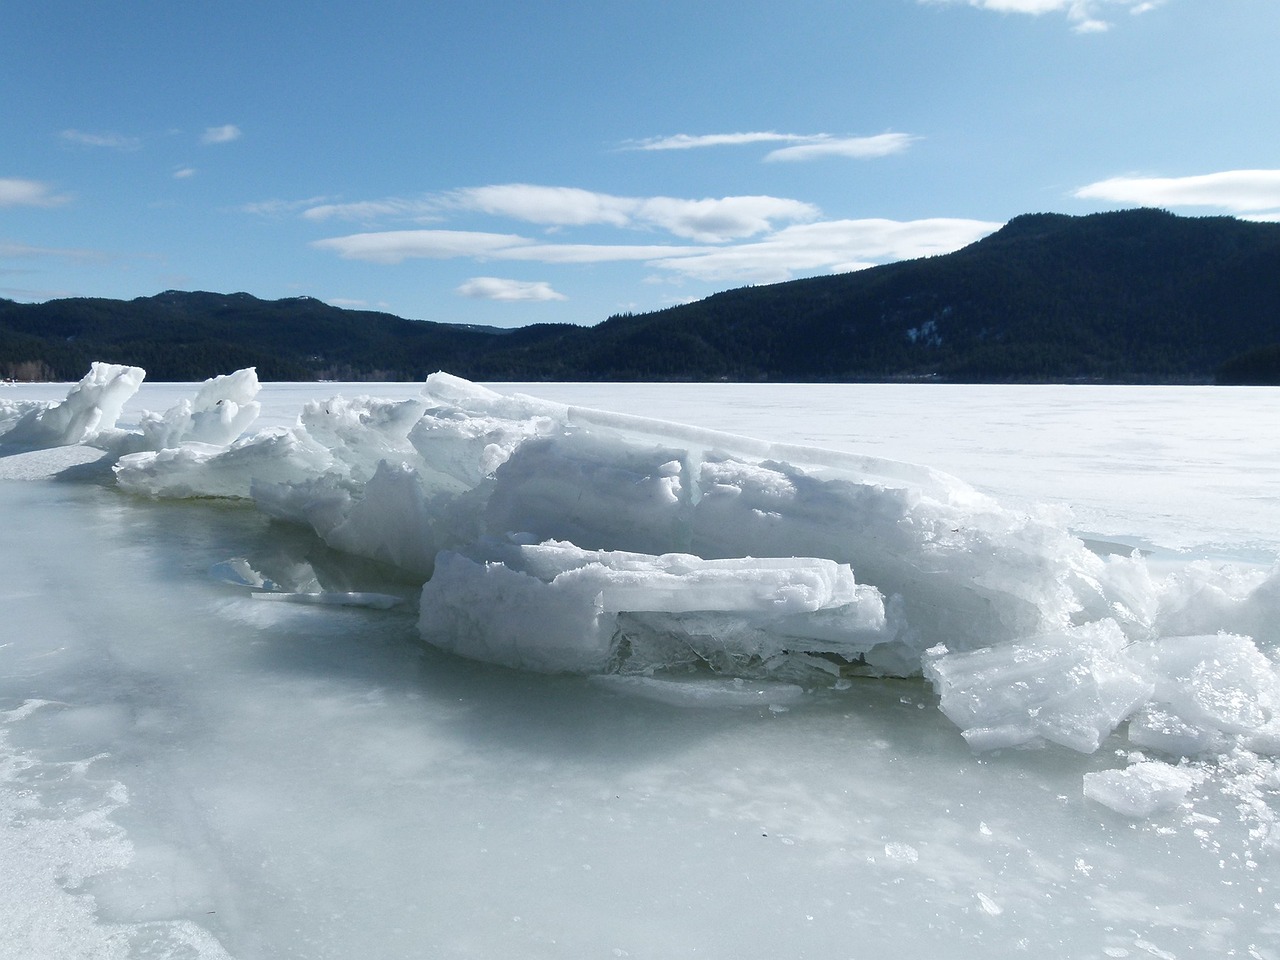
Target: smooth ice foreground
x: 188, y: 771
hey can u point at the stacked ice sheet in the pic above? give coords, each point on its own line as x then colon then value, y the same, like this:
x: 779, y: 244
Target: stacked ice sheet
x: 561, y: 539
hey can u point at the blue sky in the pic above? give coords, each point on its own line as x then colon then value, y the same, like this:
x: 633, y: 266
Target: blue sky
x: 514, y: 163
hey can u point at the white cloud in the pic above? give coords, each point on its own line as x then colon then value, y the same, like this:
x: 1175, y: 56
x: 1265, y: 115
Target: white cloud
x: 859, y: 148
x: 1238, y: 191
x: 558, y: 206
x: 728, y: 218
x: 832, y: 245
x: 1086, y: 16
x: 281, y: 208
x: 396, y: 246
x: 370, y: 210
x: 223, y: 134
x: 684, y: 141
x: 598, y: 252
x: 508, y: 291
x: 803, y: 146
x: 17, y: 192
x: 115, y: 141
x: 184, y: 173
x: 709, y: 220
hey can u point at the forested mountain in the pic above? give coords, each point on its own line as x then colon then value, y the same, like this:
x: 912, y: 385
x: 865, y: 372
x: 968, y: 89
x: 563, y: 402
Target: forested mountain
x: 1133, y: 296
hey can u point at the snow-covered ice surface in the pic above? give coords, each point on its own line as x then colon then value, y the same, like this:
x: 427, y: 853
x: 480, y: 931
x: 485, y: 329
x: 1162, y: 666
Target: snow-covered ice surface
x: 187, y: 772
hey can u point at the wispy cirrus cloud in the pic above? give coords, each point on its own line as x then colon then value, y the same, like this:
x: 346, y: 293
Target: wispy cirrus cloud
x: 1255, y: 193
x: 223, y: 134
x: 22, y: 251
x: 725, y: 239
x: 281, y: 208
x: 396, y: 246
x: 369, y: 211
x: 858, y: 148
x: 508, y: 291
x: 1085, y: 16
x: 834, y: 246
x: 830, y: 246
x: 801, y: 146
x: 685, y: 141
x: 20, y: 192
x: 708, y: 220
x: 109, y: 140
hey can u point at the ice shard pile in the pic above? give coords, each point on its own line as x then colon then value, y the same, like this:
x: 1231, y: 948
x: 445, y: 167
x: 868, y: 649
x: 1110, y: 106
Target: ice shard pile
x: 560, y: 539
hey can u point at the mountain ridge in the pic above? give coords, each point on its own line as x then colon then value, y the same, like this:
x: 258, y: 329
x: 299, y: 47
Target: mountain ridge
x: 1127, y: 296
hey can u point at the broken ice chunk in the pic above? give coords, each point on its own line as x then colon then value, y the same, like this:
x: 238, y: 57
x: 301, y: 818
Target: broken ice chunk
x: 91, y: 408
x: 222, y: 410
x: 240, y: 573
x: 1156, y: 728
x: 1141, y: 790
x: 1220, y: 683
x: 1071, y: 687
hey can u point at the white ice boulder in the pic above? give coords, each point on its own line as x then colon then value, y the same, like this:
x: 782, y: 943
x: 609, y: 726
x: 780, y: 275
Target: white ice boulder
x: 90, y: 409
x: 221, y: 411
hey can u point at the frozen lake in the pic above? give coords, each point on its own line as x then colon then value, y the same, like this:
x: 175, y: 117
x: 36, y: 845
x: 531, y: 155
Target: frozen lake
x: 184, y: 772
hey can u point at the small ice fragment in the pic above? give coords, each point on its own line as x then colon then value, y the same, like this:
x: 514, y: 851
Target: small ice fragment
x: 1155, y: 951
x: 1141, y: 790
x: 989, y: 906
x: 901, y: 852
x: 237, y: 571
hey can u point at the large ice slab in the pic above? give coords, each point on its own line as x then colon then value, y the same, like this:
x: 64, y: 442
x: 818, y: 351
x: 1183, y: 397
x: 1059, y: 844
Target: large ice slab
x: 554, y: 607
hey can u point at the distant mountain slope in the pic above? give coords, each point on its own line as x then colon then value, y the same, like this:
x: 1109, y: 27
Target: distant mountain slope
x: 1134, y: 296
x: 189, y: 336
x: 1139, y: 295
